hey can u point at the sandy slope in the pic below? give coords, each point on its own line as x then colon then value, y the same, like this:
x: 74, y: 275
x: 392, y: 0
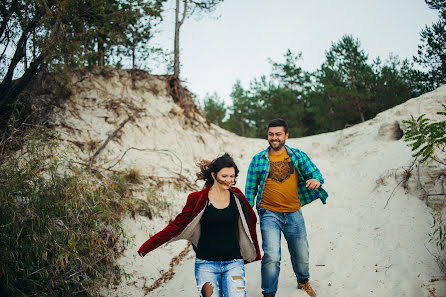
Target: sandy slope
x: 357, y: 247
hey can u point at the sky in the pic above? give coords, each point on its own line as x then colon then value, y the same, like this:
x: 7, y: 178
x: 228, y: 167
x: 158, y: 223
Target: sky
x: 236, y: 41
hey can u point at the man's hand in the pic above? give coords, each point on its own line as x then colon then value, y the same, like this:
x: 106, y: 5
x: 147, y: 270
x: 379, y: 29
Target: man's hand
x: 313, y: 184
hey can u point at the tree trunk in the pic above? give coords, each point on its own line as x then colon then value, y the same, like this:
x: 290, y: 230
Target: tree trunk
x: 6, y: 15
x: 358, y: 105
x: 9, y: 89
x: 18, y: 55
x: 133, y: 55
x: 25, y: 58
x: 30, y: 72
x: 34, y: 43
x: 176, y: 51
x: 100, y: 51
x: 242, y: 123
x: 178, y: 23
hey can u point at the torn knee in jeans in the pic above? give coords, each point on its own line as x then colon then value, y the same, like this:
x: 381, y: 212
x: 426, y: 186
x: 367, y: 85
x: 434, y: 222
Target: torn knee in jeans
x: 207, y: 289
x: 235, y: 278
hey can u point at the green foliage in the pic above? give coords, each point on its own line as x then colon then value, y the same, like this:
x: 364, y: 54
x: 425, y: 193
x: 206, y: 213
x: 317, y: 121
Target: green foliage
x: 279, y: 96
x: 426, y: 136
x: 156, y: 203
x: 244, y: 108
x: 70, y: 34
x: 438, y: 237
x: 345, y: 79
x: 395, y: 81
x: 344, y: 91
x: 277, y: 102
x: 66, y: 34
x: 60, y: 229
x: 432, y: 50
x: 96, y: 31
x: 289, y: 74
x: 214, y: 109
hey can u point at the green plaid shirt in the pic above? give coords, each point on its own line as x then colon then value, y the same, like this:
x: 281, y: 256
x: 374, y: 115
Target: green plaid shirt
x: 259, y: 169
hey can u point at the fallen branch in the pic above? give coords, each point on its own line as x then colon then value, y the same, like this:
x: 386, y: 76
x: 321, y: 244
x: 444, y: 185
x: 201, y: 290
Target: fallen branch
x: 110, y: 137
x: 149, y: 150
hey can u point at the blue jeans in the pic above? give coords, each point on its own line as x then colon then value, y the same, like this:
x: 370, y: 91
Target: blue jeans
x: 227, y: 278
x: 292, y: 224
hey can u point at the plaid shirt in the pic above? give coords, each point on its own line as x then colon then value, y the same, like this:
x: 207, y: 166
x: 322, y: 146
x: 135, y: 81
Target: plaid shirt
x: 259, y: 170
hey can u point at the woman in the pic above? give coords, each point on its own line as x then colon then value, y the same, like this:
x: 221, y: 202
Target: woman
x: 221, y: 225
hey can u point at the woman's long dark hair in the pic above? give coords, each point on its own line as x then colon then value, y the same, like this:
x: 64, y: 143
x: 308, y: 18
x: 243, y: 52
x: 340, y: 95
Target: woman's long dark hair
x: 207, y: 167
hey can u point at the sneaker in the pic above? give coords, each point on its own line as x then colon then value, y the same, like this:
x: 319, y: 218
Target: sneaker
x: 306, y: 286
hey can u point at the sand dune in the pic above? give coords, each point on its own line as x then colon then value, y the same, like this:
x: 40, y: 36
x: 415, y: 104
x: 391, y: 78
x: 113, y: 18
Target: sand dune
x: 358, y: 245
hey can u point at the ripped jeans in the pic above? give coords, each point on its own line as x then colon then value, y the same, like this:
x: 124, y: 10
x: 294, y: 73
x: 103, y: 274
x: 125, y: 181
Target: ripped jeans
x: 220, y: 278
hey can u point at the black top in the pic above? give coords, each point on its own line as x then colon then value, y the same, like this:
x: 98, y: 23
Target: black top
x: 219, y: 233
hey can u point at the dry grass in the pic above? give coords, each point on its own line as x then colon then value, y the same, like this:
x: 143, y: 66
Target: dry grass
x: 60, y: 224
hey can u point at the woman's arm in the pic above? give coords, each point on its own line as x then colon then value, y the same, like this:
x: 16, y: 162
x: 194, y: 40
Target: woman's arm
x: 171, y: 230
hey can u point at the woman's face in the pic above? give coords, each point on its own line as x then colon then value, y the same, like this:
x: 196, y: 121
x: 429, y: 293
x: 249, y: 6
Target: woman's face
x: 225, y: 177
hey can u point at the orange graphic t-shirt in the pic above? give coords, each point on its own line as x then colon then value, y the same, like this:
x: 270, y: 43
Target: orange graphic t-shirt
x: 280, y: 193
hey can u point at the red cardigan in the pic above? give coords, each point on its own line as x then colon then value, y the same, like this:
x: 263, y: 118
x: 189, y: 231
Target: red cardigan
x: 196, y: 202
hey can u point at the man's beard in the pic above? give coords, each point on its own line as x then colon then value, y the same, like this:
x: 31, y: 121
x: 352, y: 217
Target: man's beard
x: 280, y: 145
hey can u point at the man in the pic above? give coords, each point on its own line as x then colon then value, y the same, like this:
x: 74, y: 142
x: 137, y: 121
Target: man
x: 280, y: 181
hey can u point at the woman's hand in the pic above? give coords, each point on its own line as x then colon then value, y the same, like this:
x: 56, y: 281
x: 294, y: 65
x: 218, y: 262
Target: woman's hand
x: 141, y: 254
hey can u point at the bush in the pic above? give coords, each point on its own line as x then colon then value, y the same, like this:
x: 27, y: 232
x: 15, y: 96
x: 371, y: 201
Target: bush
x: 427, y: 139
x: 60, y: 225
x: 438, y: 237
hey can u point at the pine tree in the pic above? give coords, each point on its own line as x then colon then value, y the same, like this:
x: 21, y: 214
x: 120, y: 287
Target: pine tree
x: 56, y: 34
x: 214, y: 109
x: 432, y: 50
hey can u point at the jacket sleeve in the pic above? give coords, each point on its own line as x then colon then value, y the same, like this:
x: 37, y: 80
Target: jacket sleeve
x: 309, y: 169
x: 171, y: 230
x: 252, y: 183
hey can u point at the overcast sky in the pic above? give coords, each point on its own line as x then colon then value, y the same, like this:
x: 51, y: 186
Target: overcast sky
x: 236, y: 41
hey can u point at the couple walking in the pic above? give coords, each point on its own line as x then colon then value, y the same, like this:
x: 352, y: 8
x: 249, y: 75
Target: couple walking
x: 220, y: 222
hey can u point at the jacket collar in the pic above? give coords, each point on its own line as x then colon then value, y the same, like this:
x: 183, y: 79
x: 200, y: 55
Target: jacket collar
x: 265, y: 153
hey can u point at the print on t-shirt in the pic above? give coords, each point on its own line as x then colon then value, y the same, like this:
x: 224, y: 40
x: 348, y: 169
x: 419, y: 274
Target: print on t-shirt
x: 281, y: 170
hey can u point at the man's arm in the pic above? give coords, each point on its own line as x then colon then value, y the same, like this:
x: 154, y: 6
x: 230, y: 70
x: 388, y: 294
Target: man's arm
x: 252, y: 183
x: 309, y: 169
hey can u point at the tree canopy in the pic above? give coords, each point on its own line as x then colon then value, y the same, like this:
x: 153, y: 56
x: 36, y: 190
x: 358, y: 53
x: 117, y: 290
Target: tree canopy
x: 346, y: 89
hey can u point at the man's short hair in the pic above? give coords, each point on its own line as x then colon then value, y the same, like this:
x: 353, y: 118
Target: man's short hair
x: 279, y: 123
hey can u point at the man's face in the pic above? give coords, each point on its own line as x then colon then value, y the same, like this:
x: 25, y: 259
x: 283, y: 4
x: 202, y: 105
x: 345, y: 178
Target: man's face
x: 277, y: 137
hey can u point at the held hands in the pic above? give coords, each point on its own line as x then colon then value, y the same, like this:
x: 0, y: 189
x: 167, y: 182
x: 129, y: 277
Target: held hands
x: 313, y: 184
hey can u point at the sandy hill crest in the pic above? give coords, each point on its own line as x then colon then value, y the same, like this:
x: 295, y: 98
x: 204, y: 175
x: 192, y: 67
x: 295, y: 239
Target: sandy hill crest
x: 371, y: 237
